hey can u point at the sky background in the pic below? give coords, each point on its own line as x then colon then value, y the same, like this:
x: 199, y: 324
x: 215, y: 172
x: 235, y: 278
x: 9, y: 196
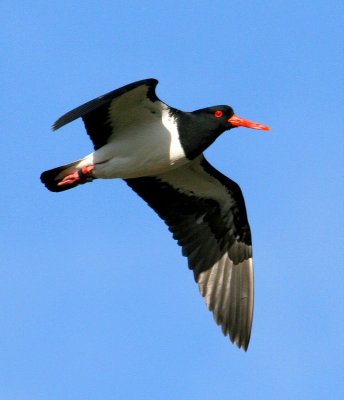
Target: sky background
x: 96, y: 301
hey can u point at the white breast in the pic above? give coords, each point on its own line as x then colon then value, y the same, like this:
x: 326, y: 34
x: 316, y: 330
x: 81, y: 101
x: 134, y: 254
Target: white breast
x: 146, y: 145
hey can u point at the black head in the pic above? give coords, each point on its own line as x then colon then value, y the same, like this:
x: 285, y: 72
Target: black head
x: 215, y: 118
x: 223, y: 118
x: 200, y: 128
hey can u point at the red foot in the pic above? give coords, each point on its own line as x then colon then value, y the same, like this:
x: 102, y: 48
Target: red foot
x: 80, y: 176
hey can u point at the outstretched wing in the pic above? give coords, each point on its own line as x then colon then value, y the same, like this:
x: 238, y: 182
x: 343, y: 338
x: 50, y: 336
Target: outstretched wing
x: 103, y: 115
x: 206, y: 213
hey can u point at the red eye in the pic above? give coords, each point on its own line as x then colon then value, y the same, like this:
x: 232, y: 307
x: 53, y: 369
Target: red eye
x: 218, y: 114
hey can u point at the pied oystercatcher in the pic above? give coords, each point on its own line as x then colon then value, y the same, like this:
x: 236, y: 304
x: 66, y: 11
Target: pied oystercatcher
x: 158, y: 151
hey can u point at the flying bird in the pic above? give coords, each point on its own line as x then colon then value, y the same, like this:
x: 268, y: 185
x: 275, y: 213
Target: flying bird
x: 158, y: 151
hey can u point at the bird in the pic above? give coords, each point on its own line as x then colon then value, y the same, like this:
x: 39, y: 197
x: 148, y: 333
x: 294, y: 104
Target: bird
x: 158, y: 151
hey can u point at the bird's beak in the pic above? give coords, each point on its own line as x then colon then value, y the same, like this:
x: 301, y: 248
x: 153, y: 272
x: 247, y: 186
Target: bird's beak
x: 238, y: 121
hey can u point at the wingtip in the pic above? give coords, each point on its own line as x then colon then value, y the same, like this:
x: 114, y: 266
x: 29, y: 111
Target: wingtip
x: 55, y: 126
x: 241, y: 342
x: 244, y: 345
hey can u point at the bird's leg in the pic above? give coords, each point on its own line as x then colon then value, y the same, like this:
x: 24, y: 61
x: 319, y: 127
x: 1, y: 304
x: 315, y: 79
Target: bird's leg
x: 83, y: 175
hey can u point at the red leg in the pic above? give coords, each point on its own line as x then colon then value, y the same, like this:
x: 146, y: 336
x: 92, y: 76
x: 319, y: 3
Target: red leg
x: 80, y: 176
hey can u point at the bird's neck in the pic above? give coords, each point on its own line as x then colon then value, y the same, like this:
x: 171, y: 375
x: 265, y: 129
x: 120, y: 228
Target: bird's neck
x: 194, y: 134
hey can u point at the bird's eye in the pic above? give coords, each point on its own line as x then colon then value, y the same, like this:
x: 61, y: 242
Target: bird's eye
x: 218, y: 114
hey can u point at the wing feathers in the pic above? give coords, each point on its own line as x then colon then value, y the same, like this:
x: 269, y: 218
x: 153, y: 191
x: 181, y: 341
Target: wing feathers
x: 105, y: 99
x: 210, y: 224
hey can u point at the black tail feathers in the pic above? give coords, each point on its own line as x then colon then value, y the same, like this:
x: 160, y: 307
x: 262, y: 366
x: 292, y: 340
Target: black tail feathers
x: 52, y: 177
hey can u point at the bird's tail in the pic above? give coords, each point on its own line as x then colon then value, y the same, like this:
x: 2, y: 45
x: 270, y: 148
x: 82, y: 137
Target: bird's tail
x: 67, y: 176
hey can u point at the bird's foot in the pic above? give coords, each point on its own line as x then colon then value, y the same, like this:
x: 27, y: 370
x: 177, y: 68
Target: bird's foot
x: 83, y: 175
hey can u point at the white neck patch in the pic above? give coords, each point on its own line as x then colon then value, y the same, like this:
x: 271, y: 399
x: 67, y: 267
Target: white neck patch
x: 170, y: 123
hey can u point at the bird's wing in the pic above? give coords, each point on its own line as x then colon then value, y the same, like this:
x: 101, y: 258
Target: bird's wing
x: 206, y: 213
x: 106, y: 114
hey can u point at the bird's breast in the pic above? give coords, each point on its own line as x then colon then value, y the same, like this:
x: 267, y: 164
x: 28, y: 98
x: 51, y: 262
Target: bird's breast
x: 147, y: 149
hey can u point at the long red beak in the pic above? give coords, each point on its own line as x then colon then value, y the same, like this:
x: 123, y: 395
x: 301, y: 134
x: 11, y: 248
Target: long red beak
x: 238, y: 121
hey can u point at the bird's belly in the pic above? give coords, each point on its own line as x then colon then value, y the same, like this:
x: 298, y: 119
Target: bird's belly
x: 135, y: 165
x: 138, y: 154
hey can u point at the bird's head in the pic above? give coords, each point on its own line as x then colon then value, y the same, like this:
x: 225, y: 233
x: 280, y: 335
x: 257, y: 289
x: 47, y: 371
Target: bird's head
x: 199, y: 129
x: 222, y: 118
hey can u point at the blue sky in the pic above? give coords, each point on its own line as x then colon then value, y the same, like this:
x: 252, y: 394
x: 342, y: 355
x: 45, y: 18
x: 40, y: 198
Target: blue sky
x: 96, y: 300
